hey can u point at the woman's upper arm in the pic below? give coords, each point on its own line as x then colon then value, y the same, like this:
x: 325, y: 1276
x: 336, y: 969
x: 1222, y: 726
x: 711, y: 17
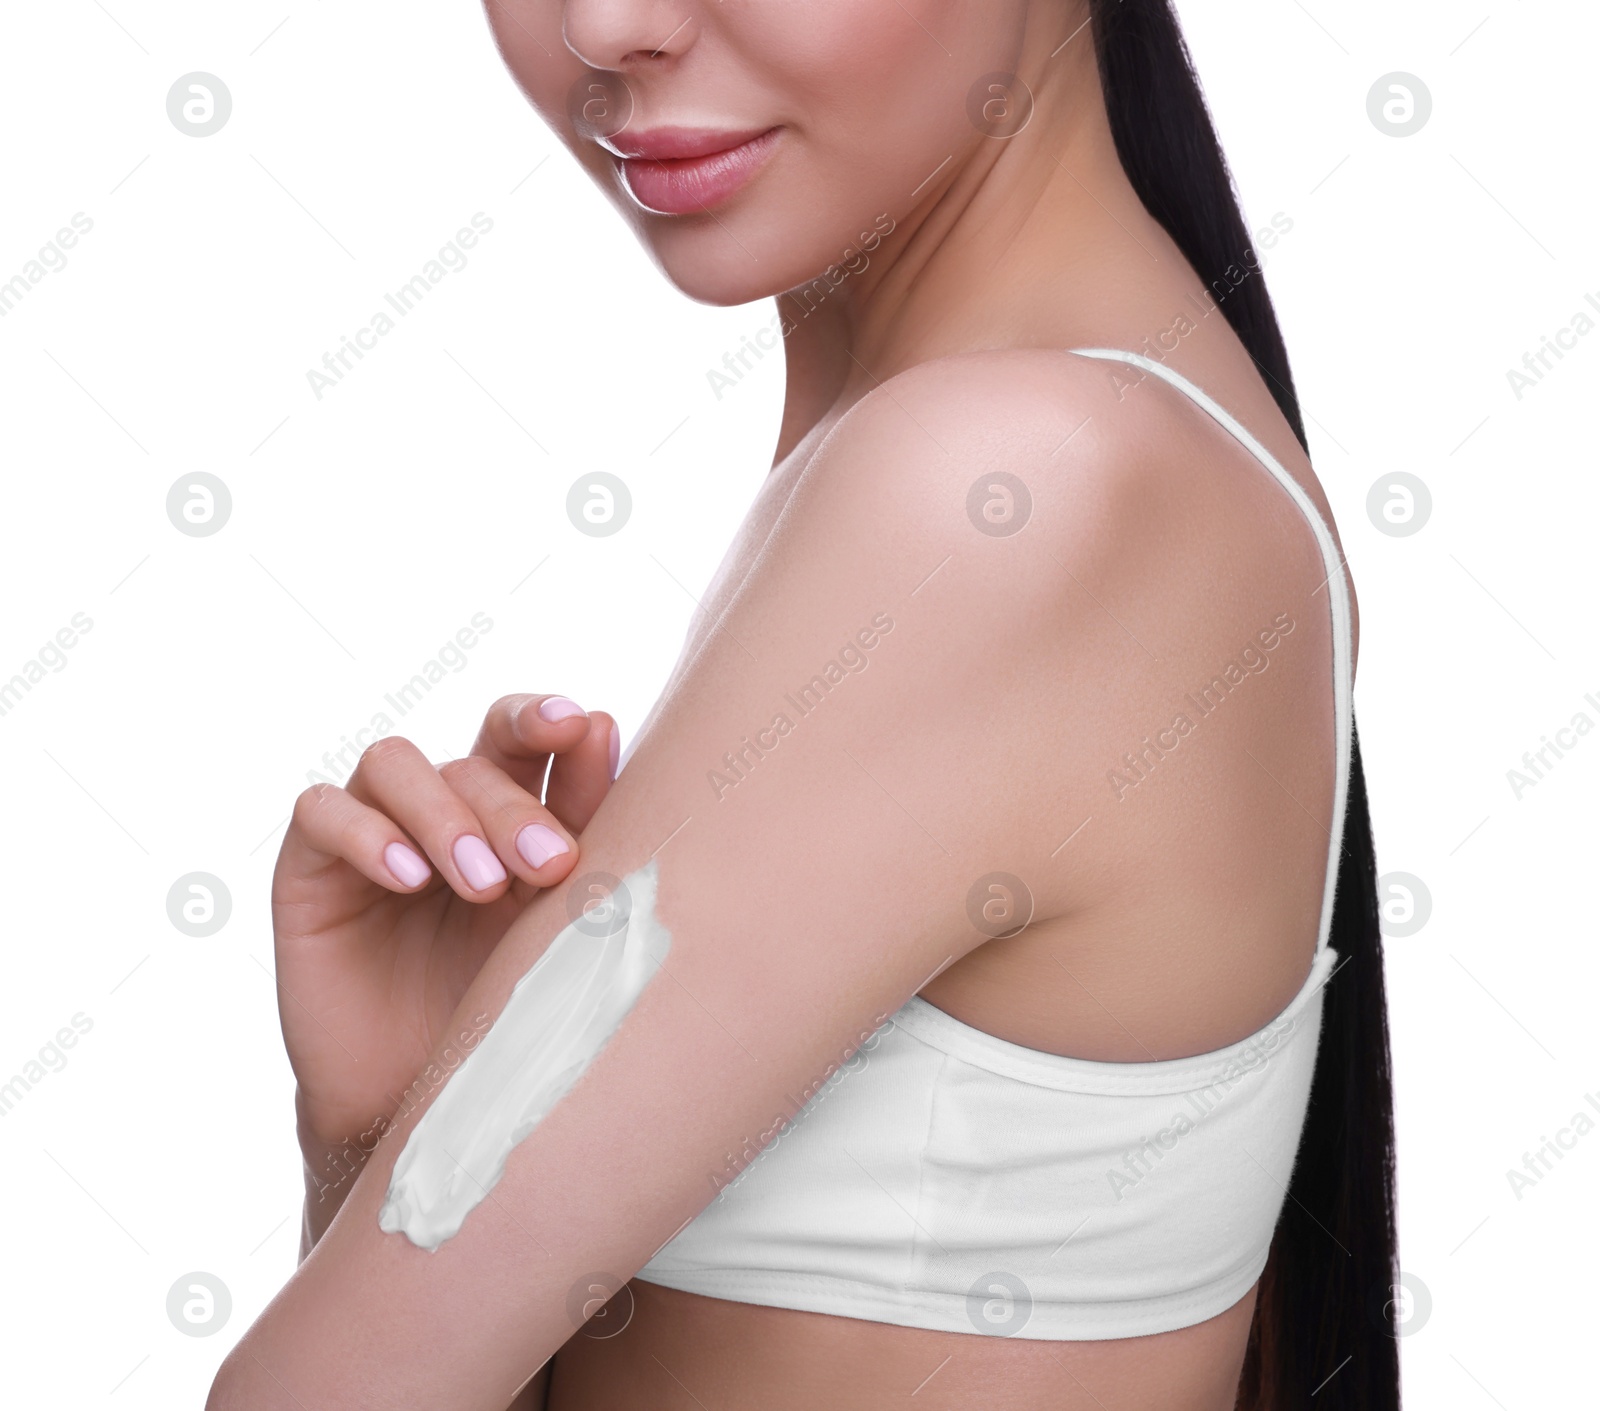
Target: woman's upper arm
x: 819, y: 795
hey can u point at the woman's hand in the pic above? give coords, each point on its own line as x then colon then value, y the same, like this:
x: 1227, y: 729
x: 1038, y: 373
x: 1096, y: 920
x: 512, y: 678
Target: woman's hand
x: 391, y: 892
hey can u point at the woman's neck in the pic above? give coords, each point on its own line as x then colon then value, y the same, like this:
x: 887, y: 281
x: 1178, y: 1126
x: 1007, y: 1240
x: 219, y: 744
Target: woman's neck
x: 1035, y: 240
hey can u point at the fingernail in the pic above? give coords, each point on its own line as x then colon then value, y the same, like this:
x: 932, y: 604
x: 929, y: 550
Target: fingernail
x: 478, y: 864
x: 555, y: 708
x: 409, y: 869
x: 616, y: 750
x: 539, y: 844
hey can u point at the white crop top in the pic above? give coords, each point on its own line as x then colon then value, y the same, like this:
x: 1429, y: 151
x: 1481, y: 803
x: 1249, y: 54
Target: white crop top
x: 944, y: 1178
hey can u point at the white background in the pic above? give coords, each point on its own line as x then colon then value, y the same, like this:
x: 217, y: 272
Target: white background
x: 368, y: 526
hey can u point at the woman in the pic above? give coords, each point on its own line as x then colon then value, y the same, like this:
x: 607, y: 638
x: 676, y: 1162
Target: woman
x: 986, y: 831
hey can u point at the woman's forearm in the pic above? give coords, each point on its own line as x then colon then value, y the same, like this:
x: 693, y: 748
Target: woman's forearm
x: 330, y: 1174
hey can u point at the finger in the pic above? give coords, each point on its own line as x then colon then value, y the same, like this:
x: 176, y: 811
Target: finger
x: 581, y: 776
x: 396, y: 778
x: 521, y: 732
x: 526, y: 836
x: 328, y: 822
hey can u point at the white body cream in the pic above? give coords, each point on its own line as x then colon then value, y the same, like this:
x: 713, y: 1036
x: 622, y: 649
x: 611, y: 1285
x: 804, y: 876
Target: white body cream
x: 558, y: 1017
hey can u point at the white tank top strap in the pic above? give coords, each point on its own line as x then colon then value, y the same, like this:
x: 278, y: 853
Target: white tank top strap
x: 1338, y: 599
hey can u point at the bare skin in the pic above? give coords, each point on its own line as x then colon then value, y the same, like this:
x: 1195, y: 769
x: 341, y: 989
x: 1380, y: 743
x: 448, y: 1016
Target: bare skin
x: 1146, y: 983
x: 1156, y: 936
x: 1176, y: 950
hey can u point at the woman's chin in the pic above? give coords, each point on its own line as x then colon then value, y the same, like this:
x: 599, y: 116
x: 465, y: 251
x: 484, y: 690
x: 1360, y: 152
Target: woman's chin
x: 711, y: 268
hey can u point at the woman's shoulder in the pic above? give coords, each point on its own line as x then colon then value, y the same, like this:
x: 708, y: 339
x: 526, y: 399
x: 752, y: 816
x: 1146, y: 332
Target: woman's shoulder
x: 1079, y: 425
x: 1117, y: 474
x: 1039, y: 406
x: 999, y: 450
x: 1041, y: 504
x: 993, y: 452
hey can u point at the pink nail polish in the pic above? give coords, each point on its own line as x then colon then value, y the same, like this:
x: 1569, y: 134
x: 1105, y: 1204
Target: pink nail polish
x: 616, y: 749
x: 409, y: 869
x: 478, y: 864
x: 558, y: 708
x: 539, y: 844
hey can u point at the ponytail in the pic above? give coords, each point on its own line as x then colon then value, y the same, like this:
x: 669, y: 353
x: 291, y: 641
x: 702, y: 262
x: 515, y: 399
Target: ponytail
x: 1324, y: 1320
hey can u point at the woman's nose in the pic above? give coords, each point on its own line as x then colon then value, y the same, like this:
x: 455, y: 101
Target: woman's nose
x: 623, y: 34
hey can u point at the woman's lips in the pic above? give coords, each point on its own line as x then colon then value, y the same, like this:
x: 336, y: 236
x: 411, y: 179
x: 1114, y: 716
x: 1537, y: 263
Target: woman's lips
x: 678, y: 171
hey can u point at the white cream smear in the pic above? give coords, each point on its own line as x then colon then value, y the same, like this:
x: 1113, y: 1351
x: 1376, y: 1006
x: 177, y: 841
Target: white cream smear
x: 558, y: 1017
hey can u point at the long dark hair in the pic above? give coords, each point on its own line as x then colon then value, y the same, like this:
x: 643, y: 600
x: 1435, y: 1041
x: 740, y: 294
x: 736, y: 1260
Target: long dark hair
x: 1324, y: 1320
